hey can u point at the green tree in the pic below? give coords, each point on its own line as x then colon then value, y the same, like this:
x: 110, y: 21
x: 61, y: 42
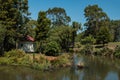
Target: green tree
x: 88, y: 40
x: 42, y: 28
x: 2, y: 35
x: 117, y: 51
x: 117, y: 34
x: 80, y: 36
x: 94, y: 18
x: 12, y: 13
x: 76, y: 26
x: 63, y: 36
x: 58, y: 16
x: 114, y: 29
x: 103, y: 36
x: 29, y: 28
x: 52, y: 48
x: 22, y: 20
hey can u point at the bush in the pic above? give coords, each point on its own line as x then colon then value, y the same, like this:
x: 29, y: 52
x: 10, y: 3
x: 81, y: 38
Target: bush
x: 77, y: 45
x: 88, y: 40
x: 26, y: 61
x: 87, y: 49
x: 61, y: 61
x: 15, y: 56
x: 98, y: 51
x: 117, y: 51
x: 15, y: 53
x: 5, y: 61
x: 52, y: 49
x: 106, y: 51
x: 41, y: 64
x: 103, y: 35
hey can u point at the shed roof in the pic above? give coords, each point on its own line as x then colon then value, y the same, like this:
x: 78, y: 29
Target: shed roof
x: 29, y: 38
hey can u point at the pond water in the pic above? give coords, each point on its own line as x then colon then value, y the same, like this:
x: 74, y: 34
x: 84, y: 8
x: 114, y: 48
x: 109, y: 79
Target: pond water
x: 97, y: 68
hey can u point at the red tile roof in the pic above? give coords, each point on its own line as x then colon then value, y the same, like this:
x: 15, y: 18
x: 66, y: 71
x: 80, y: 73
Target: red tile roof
x: 29, y: 38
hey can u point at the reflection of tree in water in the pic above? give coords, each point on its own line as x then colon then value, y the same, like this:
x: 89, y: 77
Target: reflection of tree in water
x: 97, y: 69
x: 117, y: 67
x: 76, y: 74
x: 119, y: 74
x: 15, y: 73
x: 60, y: 74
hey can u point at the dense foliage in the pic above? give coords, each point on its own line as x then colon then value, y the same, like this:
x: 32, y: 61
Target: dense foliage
x: 103, y: 36
x: 117, y: 51
x: 88, y: 40
x: 87, y: 50
x: 42, y: 29
x: 114, y: 30
x: 58, y: 16
x: 63, y: 36
x: 95, y: 18
x: 13, y: 15
x: 18, y: 57
x: 52, y: 32
x: 15, y: 53
x: 76, y: 26
x: 52, y: 49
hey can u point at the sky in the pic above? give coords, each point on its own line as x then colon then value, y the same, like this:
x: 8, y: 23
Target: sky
x: 75, y: 8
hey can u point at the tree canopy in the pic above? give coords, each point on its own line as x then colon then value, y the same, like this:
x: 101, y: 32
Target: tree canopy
x: 94, y: 18
x: 43, y: 26
x: 114, y: 29
x: 58, y: 16
x: 13, y: 14
x: 42, y: 29
x: 103, y: 36
x: 53, y: 27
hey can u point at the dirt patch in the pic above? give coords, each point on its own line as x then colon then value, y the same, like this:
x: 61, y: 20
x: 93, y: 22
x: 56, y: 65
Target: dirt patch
x: 37, y: 56
x: 51, y: 58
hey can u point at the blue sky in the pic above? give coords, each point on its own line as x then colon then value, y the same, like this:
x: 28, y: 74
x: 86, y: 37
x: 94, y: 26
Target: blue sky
x: 75, y: 8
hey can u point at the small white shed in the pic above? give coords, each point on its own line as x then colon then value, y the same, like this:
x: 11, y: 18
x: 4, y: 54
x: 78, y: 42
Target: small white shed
x: 27, y: 44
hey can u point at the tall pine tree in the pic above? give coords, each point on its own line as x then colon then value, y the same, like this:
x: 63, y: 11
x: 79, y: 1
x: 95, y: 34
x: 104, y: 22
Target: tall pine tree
x: 42, y: 28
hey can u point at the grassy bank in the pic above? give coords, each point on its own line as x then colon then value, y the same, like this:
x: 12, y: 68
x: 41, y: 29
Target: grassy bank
x: 35, y: 61
x: 111, y: 49
x: 43, y: 62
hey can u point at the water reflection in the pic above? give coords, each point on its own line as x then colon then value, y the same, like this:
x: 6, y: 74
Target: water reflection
x: 98, y: 68
x: 112, y: 76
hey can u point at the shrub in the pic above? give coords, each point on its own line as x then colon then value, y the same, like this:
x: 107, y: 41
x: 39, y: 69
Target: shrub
x: 87, y: 49
x: 106, y: 51
x: 98, y: 51
x: 88, y: 40
x: 15, y: 53
x: 77, y: 45
x: 117, y: 51
x: 103, y: 35
x: 5, y: 61
x: 41, y: 59
x: 37, y: 46
x: 52, y: 49
x: 71, y: 50
x: 41, y: 64
x: 26, y: 61
x: 15, y: 56
x: 62, y: 60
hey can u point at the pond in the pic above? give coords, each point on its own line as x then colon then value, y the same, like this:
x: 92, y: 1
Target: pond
x: 97, y: 68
